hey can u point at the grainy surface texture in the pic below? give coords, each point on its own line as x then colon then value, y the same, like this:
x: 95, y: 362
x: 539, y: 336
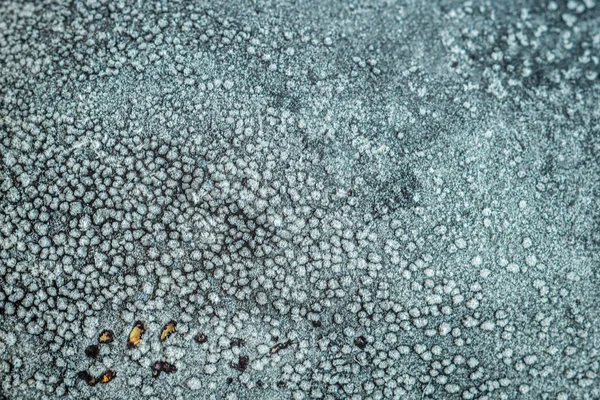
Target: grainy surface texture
x: 330, y: 199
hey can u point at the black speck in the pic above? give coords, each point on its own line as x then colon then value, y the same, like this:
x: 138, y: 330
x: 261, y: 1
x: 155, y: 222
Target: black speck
x: 201, y: 338
x: 237, y: 342
x: 242, y: 363
x: 360, y: 342
x: 92, y: 351
x: 87, y: 377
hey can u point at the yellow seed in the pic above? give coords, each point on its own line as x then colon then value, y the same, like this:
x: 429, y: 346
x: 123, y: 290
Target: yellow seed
x: 168, y: 330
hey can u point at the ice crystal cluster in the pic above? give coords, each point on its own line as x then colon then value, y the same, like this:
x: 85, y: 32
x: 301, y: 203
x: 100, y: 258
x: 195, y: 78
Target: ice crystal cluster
x: 364, y: 199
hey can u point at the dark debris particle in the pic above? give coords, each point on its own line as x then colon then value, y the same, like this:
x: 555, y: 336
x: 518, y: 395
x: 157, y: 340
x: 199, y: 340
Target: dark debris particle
x: 316, y: 324
x: 242, y: 363
x: 229, y: 380
x: 259, y: 383
x: 280, y: 346
x: 92, y: 351
x: 237, y: 342
x: 162, y: 366
x: 360, y: 342
x: 201, y: 338
x: 281, y: 384
x: 87, y: 377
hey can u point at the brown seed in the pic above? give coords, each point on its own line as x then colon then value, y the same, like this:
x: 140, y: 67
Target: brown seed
x: 106, y: 336
x: 169, y: 329
x: 108, y: 376
x: 135, y: 336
